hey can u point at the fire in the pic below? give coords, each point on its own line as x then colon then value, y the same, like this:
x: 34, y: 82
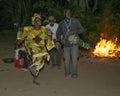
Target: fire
x: 106, y: 48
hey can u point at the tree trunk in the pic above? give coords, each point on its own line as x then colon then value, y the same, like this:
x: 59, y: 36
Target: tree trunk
x: 95, y: 5
x: 87, y: 4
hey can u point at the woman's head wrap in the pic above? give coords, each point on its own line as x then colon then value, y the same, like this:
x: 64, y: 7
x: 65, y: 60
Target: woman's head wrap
x: 36, y: 15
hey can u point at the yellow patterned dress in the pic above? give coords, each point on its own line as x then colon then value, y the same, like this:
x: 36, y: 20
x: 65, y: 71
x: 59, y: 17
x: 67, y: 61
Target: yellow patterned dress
x: 37, y: 44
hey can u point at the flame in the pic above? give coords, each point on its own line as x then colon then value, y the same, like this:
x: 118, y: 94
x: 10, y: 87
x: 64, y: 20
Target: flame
x: 106, y: 48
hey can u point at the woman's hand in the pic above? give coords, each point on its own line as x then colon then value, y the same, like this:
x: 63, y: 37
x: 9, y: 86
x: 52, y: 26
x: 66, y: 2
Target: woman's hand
x: 49, y: 32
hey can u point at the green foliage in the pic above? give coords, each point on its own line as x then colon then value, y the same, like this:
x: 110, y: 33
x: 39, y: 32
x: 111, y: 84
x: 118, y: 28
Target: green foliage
x: 18, y: 11
x: 89, y: 20
x: 109, y: 22
x: 48, y: 8
x: 93, y: 37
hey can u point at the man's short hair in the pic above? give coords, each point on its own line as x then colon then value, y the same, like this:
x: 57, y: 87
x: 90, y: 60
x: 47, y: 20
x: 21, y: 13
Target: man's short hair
x: 66, y: 10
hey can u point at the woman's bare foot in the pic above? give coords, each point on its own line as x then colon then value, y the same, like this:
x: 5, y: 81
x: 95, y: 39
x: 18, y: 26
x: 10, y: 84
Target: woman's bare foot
x: 36, y: 82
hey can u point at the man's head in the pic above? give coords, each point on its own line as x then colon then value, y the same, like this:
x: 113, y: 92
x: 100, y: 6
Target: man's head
x: 67, y: 13
x: 51, y: 20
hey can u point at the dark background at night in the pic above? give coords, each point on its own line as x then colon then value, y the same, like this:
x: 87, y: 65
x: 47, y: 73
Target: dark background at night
x: 98, y: 17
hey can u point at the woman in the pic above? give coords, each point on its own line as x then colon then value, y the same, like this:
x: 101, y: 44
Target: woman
x: 37, y: 43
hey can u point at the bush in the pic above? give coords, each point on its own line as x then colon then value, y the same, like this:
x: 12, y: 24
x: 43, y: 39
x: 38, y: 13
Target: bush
x: 109, y: 23
x: 93, y: 38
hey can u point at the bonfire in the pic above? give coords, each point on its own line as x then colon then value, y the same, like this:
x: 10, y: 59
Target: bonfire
x: 107, y: 48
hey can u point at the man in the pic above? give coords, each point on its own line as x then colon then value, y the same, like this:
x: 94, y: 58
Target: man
x: 55, y: 54
x: 67, y: 33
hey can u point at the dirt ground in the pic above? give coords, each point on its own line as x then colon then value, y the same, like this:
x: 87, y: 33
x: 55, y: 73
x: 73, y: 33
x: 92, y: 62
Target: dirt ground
x: 97, y: 77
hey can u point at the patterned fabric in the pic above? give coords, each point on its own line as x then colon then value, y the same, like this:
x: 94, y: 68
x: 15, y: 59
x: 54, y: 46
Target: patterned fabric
x: 37, y: 44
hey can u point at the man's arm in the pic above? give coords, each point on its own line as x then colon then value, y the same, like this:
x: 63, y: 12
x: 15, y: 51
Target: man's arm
x: 58, y: 32
x: 79, y: 27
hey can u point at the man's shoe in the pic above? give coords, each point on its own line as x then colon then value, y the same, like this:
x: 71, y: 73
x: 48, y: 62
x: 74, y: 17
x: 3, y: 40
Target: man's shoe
x: 67, y: 74
x: 74, y: 75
